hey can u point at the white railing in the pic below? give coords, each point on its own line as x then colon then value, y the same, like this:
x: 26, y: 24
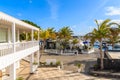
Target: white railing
x: 7, y: 48
x: 66, y: 52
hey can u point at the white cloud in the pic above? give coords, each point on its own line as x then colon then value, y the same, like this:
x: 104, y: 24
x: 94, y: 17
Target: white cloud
x: 112, y: 11
x: 115, y: 20
x: 53, y: 9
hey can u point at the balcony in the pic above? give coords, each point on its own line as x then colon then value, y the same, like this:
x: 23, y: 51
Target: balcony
x: 14, y: 50
x: 7, y: 48
x: 22, y: 49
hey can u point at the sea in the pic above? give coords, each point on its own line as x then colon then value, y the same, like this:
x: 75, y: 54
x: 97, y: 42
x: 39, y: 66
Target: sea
x: 109, y: 47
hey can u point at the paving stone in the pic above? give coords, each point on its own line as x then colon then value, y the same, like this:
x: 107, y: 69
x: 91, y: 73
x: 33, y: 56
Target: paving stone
x: 52, y: 74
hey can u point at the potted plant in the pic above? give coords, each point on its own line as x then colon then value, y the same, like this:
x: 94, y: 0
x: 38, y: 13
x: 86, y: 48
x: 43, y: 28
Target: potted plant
x: 58, y: 63
x: 79, y: 67
x: 51, y: 64
x: 42, y: 64
x: 95, y: 66
x: 35, y: 65
x: 19, y: 78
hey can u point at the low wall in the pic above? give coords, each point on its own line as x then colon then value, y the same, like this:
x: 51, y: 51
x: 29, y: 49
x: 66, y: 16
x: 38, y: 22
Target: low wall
x: 110, y: 64
x: 65, y: 52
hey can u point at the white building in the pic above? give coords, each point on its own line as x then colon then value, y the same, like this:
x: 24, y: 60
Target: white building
x: 11, y: 49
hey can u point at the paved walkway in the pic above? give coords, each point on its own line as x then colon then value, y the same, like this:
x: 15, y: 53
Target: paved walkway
x: 52, y: 74
x: 114, y: 55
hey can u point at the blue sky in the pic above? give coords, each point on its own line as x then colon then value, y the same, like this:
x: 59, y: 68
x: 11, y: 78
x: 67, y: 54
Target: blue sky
x: 78, y: 14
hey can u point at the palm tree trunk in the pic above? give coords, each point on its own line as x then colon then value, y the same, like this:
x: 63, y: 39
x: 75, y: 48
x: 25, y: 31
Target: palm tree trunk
x: 101, y: 56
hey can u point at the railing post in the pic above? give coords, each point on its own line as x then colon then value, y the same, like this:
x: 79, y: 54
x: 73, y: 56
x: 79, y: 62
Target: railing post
x: 18, y: 33
x: 9, y: 35
x: 32, y: 37
x: 0, y: 52
x: 38, y: 53
x: 13, y: 37
x: 32, y: 55
x: 31, y: 63
x: 26, y: 36
x: 13, y: 66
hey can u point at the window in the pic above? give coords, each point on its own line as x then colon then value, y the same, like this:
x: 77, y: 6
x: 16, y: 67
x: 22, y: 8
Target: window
x: 3, y: 35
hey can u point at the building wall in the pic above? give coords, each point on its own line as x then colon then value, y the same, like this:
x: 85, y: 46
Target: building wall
x: 3, y: 35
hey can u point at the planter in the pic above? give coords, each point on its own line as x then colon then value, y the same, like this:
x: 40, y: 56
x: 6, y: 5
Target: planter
x: 79, y: 67
x: 58, y: 67
x: 79, y: 70
x: 58, y: 63
x: 35, y: 67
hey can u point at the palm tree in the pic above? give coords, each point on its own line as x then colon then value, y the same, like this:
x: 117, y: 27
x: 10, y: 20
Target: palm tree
x: 114, y: 36
x: 75, y: 41
x: 47, y: 34
x: 101, y: 32
x: 119, y: 28
x: 119, y: 32
x: 52, y: 33
x: 44, y: 35
x: 64, y: 35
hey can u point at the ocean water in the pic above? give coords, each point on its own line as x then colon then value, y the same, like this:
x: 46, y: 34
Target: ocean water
x: 95, y: 46
x: 109, y: 47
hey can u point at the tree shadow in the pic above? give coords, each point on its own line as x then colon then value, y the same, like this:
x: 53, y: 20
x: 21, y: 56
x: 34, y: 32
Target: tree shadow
x: 87, y: 64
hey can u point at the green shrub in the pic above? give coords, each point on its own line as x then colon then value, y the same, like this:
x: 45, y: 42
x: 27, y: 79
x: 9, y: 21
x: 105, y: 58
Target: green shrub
x: 58, y: 63
x: 51, y: 63
x: 35, y: 63
x: 19, y: 78
x: 44, y: 63
x: 78, y: 65
x: 95, y: 66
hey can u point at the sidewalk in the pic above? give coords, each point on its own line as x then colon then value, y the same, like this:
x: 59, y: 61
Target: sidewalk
x: 52, y: 74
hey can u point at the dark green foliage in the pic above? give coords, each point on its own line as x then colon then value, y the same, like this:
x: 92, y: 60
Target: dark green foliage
x: 58, y: 63
x: 51, y: 63
x: 95, y: 66
x: 22, y: 36
x: 78, y: 65
x: 31, y: 23
x: 19, y: 78
x: 35, y: 63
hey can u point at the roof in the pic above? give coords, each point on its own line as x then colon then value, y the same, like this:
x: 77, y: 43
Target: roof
x: 11, y: 19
